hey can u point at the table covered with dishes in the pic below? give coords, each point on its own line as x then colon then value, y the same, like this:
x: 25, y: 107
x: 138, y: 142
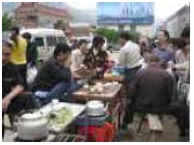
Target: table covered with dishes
x: 107, y: 92
x: 96, y: 105
x: 46, y: 122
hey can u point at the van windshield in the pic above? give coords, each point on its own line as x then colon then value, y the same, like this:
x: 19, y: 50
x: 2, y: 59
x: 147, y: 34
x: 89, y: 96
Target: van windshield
x: 39, y: 41
x: 61, y: 39
x: 51, y: 41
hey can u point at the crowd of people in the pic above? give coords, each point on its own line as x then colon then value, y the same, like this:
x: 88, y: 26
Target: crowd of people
x: 153, y: 76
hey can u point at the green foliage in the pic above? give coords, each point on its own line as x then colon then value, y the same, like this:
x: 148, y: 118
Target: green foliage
x: 60, y: 24
x: 6, y: 22
x: 112, y: 35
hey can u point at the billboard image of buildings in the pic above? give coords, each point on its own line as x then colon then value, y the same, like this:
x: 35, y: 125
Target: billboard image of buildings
x: 125, y: 13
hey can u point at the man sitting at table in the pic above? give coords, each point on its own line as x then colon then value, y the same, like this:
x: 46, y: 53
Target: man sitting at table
x: 54, y: 78
x: 151, y: 92
x: 78, y: 55
x: 13, y: 98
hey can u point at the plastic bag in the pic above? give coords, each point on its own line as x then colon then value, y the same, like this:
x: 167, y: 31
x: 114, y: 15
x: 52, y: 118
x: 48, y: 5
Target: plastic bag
x: 31, y: 74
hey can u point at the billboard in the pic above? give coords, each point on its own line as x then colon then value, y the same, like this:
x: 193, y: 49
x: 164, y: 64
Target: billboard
x: 115, y: 13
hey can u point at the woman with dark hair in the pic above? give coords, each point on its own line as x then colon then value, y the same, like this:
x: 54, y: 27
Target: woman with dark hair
x: 182, y: 56
x: 31, y: 51
x: 97, y: 58
x: 182, y: 53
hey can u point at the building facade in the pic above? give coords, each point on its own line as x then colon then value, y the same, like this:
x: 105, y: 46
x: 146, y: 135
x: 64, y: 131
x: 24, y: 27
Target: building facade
x: 34, y: 14
x: 177, y: 22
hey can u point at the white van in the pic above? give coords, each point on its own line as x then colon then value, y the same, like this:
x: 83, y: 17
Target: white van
x: 46, y: 40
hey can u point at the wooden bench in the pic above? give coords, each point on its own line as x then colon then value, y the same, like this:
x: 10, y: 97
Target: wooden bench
x: 155, y: 126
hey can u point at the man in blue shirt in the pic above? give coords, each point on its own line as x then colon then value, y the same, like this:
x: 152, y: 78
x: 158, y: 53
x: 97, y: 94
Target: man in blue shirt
x: 164, y: 51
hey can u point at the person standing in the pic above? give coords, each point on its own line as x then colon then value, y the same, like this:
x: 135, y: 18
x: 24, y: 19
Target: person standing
x: 182, y: 56
x: 97, y: 58
x: 130, y: 60
x: 31, y: 52
x: 129, y: 56
x: 164, y: 51
x: 18, y: 52
x: 186, y: 35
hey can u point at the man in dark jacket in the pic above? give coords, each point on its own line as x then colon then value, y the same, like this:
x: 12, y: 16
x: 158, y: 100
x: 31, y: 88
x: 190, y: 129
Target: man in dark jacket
x: 151, y: 92
x: 31, y: 51
x: 54, y: 78
x: 13, y: 98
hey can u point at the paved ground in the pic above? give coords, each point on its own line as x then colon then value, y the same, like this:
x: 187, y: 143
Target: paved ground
x: 170, y: 132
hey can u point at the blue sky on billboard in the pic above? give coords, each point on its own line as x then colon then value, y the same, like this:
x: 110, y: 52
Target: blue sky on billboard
x: 162, y: 8
x: 125, y: 12
x: 113, y: 8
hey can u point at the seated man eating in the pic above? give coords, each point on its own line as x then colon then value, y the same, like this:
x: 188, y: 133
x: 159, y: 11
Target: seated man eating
x: 13, y: 98
x: 151, y: 91
x: 54, y: 81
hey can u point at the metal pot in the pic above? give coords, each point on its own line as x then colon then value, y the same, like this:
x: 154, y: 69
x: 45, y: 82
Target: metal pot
x: 95, y: 108
x: 32, y: 126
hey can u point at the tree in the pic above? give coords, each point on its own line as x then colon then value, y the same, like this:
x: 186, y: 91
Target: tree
x: 112, y: 35
x: 6, y: 22
x: 60, y: 25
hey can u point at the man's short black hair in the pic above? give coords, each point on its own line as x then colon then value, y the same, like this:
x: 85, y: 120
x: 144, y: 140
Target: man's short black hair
x: 16, y: 29
x: 81, y: 42
x: 61, y: 47
x: 98, y: 40
x: 124, y: 35
x: 27, y: 36
x: 186, y: 32
x: 166, y: 33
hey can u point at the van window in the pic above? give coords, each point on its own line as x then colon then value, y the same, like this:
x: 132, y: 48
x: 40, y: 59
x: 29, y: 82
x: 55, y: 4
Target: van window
x: 39, y: 41
x: 61, y: 39
x: 51, y: 41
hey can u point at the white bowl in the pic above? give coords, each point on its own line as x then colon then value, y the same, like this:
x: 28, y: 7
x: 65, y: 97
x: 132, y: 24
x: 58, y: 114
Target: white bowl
x: 95, y: 108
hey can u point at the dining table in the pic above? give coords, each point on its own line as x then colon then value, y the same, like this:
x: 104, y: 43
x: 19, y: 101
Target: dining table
x: 111, y: 97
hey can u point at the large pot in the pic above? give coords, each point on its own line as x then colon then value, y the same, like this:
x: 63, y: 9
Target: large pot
x: 32, y: 126
x: 95, y: 108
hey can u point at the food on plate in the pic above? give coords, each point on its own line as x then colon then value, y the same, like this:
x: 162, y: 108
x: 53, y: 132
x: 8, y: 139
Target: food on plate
x: 86, y: 87
x: 97, y: 88
x: 60, y: 117
x: 115, y: 83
